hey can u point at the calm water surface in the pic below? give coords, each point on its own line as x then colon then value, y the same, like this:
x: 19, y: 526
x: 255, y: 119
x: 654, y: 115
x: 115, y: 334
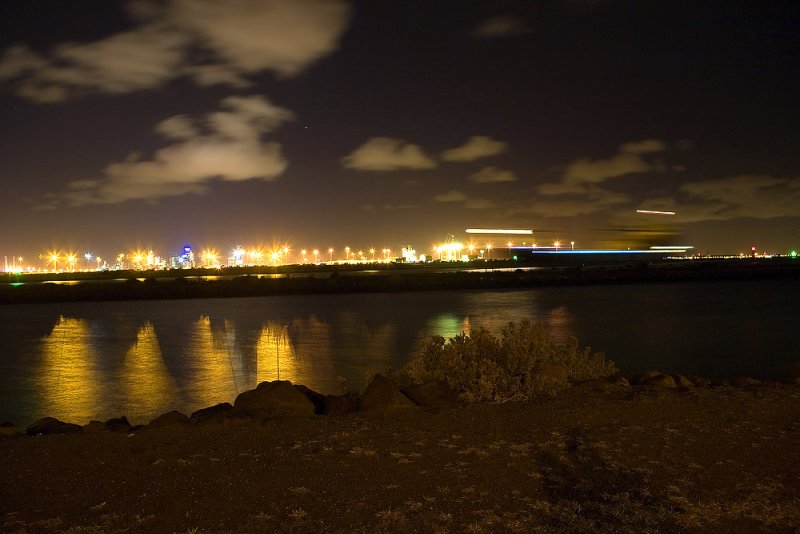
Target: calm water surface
x: 82, y: 361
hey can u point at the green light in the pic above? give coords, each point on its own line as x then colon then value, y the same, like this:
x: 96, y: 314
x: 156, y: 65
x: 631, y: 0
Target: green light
x: 515, y: 258
x: 793, y: 254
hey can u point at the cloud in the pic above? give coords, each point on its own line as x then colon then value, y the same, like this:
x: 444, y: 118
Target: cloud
x: 629, y: 159
x: 479, y: 204
x: 489, y: 175
x: 226, y: 146
x: 757, y: 196
x: 454, y: 196
x: 476, y: 147
x: 501, y: 26
x: 591, y: 200
x: 387, y: 207
x: 580, y: 191
x: 235, y: 38
x: 387, y: 154
x: 451, y: 196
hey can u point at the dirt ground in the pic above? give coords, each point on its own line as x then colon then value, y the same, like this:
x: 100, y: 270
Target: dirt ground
x: 722, y: 459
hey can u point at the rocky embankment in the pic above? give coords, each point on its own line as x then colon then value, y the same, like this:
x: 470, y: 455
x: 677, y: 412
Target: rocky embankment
x: 654, y: 452
x: 281, y: 398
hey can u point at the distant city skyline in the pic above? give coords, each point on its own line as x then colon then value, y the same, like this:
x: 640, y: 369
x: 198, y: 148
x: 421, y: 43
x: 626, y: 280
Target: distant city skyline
x: 324, y: 123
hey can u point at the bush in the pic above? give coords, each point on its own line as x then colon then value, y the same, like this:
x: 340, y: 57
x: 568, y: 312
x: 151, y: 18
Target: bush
x: 520, y: 364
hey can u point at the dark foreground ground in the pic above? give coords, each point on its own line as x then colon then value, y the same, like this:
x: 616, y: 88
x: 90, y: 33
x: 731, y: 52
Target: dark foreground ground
x: 722, y: 459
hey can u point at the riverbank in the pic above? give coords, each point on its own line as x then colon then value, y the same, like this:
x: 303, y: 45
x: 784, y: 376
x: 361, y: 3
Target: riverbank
x: 602, y: 456
x: 303, y: 280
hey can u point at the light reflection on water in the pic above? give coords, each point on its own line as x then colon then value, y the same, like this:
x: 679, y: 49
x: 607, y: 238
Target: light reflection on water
x: 82, y: 361
x: 145, y: 382
x: 69, y: 379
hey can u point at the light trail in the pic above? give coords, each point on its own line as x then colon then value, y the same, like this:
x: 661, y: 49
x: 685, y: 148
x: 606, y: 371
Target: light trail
x: 655, y: 212
x: 498, y: 231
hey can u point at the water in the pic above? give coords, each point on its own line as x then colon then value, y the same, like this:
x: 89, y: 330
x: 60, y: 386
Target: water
x: 82, y: 361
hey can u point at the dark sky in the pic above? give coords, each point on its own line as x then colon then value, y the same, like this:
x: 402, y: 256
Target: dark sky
x: 381, y: 123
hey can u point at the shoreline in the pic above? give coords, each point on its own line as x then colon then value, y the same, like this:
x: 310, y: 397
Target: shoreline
x: 156, y: 286
x: 601, y: 456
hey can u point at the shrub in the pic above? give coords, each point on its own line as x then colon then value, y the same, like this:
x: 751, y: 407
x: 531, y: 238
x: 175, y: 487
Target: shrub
x: 519, y: 364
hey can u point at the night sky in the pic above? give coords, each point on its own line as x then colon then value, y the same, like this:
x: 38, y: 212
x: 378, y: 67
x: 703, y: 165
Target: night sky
x: 391, y: 122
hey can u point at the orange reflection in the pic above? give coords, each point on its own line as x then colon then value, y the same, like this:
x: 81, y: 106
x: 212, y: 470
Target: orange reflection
x: 145, y: 382
x: 217, y: 373
x: 275, y: 355
x: 299, y: 352
x: 69, y: 381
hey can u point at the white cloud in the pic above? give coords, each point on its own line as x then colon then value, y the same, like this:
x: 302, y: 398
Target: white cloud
x: 479, y: 204
x: 579, y: 191
x: 177, y: 127
x: 236, y: 38
x: 387, y: 154
x: 501, y: 26
x: 454, y: 196
x: 750, y: 195
x: 476, y: 147
x: 488, y: 175
x: 226, y: 146
x: 451, y: 196
x: 284, y: 36
x: 629, y: 159
x: 591, y: 200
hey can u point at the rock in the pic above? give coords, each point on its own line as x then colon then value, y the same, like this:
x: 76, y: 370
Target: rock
x: 641, y: 378
x: 8, y: 430
x: 431, y: 394
x: 620, y: 381
x: 317, y: 399
x: 118, y: 424
x: 793, y: 374
x: 271, y: 399
x: 383, y: 395
x: 699, y: 381
x: 660, y: 381
x: 51, y: 425
x: 94, y: 426
x: 341, y: 404
x: 743, y: 381
x: 212, y: 413
x: 683, y: 381
x: 170, y: 418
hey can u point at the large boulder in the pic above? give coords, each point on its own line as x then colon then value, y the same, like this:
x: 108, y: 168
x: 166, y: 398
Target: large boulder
x: 118, y: 424
x: 660, y: 382
x: 683, y: 381
x: 168, y: 419
x: 317, y: 399
x: 271, y: 399
x: 51, y: 425
x: 217, y: 412
x: 383, y: 395
x: 641, y: 378
x: 431, y: 394
x: 699, y: 381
